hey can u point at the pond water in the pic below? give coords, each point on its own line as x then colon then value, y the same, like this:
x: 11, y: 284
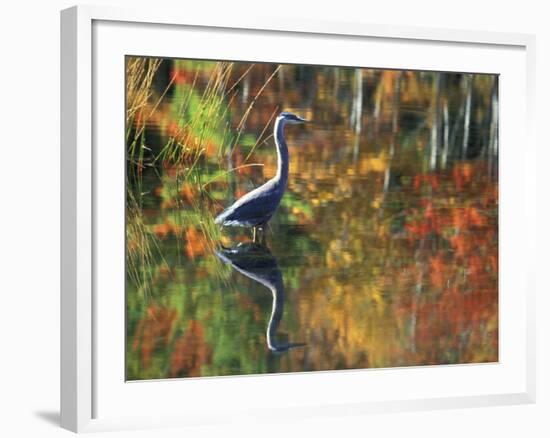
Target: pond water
x: 383, y: 252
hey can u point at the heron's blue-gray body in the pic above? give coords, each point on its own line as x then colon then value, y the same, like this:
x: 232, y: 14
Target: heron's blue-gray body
x: 258, y: 206
x: 255, y: 208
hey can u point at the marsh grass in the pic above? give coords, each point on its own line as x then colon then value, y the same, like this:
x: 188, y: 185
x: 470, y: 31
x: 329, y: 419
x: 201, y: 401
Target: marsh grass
x: 140, y: 73
x: 143, y: 256
x: 196, y: 158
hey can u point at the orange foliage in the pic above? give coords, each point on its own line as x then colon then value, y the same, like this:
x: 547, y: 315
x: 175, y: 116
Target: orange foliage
x: 187, y: 193
x: 154, y: 328
x: 196, y: 243
x: 190, y: 352
x: 162, y: 230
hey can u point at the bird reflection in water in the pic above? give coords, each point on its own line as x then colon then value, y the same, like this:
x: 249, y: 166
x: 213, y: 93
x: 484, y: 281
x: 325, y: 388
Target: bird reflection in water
x: 256, y: 262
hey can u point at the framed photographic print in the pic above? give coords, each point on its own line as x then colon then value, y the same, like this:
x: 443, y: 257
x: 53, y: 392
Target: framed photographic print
x: 291, y: 217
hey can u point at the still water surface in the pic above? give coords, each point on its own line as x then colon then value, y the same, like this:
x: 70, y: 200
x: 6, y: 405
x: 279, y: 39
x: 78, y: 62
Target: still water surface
x: 383, y: 253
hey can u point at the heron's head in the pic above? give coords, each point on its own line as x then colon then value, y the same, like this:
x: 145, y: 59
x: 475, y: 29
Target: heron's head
x: 291, y: 118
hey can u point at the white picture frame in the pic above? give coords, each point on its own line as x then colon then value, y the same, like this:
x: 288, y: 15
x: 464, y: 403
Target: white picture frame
x: 82, y: 372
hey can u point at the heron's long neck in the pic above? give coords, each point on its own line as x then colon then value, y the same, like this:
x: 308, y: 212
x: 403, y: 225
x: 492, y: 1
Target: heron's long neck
x: 278, y: 291
x: 282, y: 152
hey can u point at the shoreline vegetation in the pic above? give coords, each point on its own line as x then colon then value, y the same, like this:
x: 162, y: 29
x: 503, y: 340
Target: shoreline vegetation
x: 387, y: 237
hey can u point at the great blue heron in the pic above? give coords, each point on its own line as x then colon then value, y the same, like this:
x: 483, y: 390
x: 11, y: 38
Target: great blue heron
x: 256, y: 207
x: 256, y: 262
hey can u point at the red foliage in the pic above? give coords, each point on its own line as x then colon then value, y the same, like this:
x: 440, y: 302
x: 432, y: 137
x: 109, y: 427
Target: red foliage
x: 456, y: 232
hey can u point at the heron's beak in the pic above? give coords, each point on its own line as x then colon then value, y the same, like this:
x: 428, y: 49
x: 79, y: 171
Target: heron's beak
x: 302, y: 120
x: 292, y: 345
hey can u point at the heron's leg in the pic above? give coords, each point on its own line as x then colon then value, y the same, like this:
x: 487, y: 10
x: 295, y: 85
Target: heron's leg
x: 261, y: 232
x: 263, y: 236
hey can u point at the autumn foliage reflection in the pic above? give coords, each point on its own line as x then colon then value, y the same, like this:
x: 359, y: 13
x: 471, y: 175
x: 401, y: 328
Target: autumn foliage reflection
x: 387, y: 237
